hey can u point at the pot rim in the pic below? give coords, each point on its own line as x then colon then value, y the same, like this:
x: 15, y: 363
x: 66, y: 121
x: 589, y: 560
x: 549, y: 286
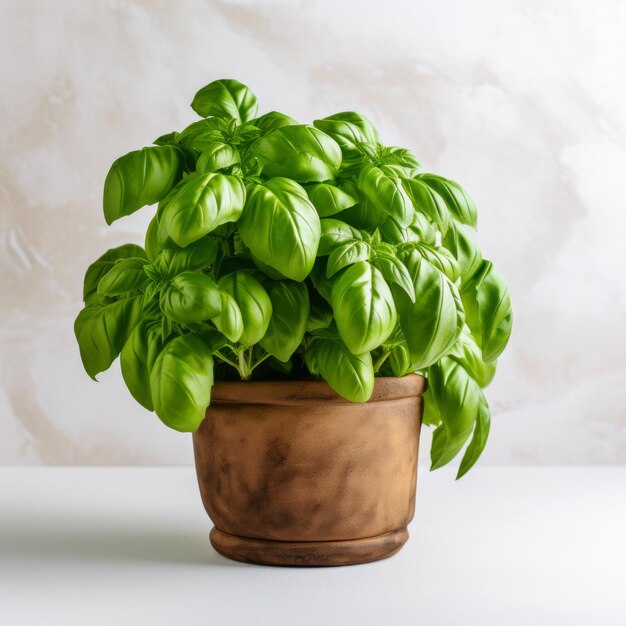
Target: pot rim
x: 310, y: 391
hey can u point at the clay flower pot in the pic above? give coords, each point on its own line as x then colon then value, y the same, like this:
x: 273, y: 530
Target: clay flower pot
x: 291, y: 473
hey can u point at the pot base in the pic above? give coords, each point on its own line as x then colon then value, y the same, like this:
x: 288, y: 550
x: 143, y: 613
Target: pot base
x: 308, y: 553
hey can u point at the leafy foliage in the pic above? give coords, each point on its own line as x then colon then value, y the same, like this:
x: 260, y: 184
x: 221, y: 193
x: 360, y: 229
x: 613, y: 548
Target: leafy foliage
x: 286, y: 249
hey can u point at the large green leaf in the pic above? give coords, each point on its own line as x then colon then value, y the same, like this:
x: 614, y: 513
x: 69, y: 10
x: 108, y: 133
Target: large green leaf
x: 433, y: 322
x: 290, y: 312
x: 478, y: 441
x: 191, y: 297
x: 488, y: 307
x: 201, y: 204
x: 363, y: 307
x: 137, y: 360
x: 458, y: 201
x: 346, y: 255
x: 253, y: 302
x: 229, y: 321
x: 226, y: 98
x: 102, y: 331
x: 103, y: 264
x: 350, y: 375
x: 199, y: 255
x: 281, y: 227
x: 300, y: 152
x: 469, y: 355
x: 459, y: 401
x: 181, y: 382
x: 140, y: 178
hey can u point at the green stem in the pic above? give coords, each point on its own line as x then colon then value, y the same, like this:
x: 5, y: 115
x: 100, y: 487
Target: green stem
x: 381, y: 359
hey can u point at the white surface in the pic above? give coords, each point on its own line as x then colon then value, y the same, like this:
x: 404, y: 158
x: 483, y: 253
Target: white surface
x: 503, y: 547
x: 521, y: 101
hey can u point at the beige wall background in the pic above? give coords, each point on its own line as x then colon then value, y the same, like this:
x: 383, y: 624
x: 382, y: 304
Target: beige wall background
x: 522, y: 101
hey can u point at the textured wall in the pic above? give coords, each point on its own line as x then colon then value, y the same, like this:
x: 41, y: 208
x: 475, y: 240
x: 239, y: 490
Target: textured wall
x: 521, y: 101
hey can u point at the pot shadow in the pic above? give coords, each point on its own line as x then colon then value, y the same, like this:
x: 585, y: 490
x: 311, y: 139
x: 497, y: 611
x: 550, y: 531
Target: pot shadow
x: 65, y: 541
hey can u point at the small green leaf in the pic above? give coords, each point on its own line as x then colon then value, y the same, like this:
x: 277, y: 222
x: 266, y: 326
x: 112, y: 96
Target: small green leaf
x: 335, y: 233
x: 181, y: 382
x: 199, y: 255
x: 458, y: 201
x: 394, y: 272
x: 461, y: 242
x: 191, y: 297
x: 350, y: 375
x: 350, y: 130
x: 488, y: 307
x: 328, y: 199
x: 427, y: 201
x: 271, y: 121
x: 346, y: 255
x: 126, y: 276
x: 216, y: 157
x: 229, y: 321
x: 254, y: 303
x: 140, y: 178
x: 386, y: 193
x: 99, y: 268
x: 226, y: 98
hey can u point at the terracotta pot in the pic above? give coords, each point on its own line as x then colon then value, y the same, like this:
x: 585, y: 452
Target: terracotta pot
x: 290, y: 473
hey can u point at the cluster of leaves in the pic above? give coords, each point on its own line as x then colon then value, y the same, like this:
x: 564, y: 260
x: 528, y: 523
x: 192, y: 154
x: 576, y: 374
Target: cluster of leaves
x: 281, y: 249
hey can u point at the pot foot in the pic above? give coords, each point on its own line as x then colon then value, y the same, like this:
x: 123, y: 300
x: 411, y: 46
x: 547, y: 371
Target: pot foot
x: 308, y: 553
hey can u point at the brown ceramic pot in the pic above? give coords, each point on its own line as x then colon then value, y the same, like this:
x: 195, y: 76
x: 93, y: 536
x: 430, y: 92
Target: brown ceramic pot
x: 290, y: 473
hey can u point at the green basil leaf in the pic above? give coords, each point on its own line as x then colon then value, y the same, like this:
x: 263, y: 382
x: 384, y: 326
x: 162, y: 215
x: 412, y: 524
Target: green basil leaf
x: 349, y: 130
x: 345, y: 255
x: 441, y: 258
x: 181, y: 382
x: 432, y: 323
x: 488, y: 307
x: 328, y: 199
x: 458, y: 201
x: 478, y: 441
x: 167, y: 139
x: 461, y: 242
x: 137, y: 360
x: 140, y: 178
x: 470, y: 357
x: 335, y: 233
x: 427, y: 201
x: 300, y: 152
x: 191, y: 297
x: 199, y: 255
x: 350, y: 375
x: 459, y: 400
x: 125, y: 276
x: 254, y: 303
x: 213, y: 127
x: 151, y: 242
x: 290, y: 312
x: 400, y: 360
x: 229, y: 321
x: 271, y: 121
x: 395, y: 273
x: 386, y: 193
x: 201, y: 204
x: 102, y: 331
x: 103, y: 264
x: 363, y: 307
x: 216, y: 157
x: 281, y: 227
x: 226, y: 98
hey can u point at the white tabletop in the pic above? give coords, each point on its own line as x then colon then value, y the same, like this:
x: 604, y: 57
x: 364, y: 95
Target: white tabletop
x: 503, y: 546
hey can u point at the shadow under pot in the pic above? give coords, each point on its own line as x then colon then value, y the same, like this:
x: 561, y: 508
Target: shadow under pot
x: 291, y: 473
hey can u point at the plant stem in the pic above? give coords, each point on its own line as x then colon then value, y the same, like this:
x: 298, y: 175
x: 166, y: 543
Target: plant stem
x: 380, y: 360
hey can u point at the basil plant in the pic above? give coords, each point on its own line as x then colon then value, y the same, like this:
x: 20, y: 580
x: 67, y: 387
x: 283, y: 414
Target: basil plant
x: 286, y: 250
